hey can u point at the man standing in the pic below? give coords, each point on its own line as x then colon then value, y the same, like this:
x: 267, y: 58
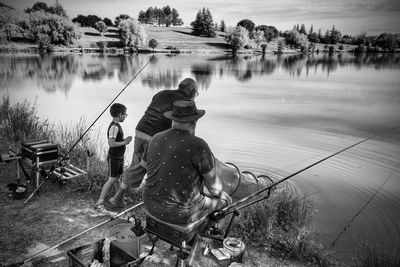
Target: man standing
x: 152, y: 122
x: 182, y: 185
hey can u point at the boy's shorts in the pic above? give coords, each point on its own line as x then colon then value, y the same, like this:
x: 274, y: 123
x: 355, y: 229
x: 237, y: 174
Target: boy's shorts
x: 115, y: 167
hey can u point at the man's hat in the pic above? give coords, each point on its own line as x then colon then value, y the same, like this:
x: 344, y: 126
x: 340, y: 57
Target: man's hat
x: 184, y: 111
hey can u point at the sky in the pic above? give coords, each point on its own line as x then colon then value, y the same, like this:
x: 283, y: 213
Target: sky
x: 348, y: 16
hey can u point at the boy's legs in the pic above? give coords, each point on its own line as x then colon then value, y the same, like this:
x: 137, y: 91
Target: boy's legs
x: 115, y: 167
x: 106, y: 188
x: 134, y: 174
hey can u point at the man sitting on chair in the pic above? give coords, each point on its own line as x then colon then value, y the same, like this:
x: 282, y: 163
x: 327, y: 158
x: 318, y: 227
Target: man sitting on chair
x: 182, y: 185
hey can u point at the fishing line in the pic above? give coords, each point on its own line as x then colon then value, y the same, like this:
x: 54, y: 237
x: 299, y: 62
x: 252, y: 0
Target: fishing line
x: 362, y: 208
x: 64, y: 157
x: 231, y: 208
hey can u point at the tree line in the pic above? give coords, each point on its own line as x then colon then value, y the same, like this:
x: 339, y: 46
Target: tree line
x: 247, y: 34
x: 160, y: 16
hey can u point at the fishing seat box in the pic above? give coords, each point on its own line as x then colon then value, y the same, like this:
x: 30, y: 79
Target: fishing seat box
x: 175, y: 234
x: 39, y: 150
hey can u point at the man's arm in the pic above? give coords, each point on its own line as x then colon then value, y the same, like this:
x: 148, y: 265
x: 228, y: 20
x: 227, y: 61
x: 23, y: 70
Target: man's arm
x: 213, y: 184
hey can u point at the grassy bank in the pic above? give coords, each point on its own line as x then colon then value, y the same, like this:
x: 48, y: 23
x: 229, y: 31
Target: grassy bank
x: 170, y: 40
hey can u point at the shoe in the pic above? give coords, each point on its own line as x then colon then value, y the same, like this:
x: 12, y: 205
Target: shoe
x: 116, y: 204
x: 101, y: 208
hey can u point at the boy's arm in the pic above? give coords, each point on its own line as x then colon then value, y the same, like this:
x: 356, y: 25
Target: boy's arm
x: 112, y: 133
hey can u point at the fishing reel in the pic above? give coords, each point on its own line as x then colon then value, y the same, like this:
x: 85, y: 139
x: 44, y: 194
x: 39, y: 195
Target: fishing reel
x: 137, y: 227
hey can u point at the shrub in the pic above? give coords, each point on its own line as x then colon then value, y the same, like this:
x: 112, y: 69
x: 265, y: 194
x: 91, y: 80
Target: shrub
x: 170, y: 47
x: 43, y: 41
x: 331, y: 49
x: 102, y: 45
x: 341, y: 47
x: 282, y: 224
x: 153, y: 43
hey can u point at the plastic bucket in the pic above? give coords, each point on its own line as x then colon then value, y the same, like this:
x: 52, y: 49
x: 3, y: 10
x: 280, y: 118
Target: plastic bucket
x: 20, y: 192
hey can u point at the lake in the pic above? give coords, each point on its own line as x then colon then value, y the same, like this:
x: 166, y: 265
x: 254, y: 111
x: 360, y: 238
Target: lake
x: 271, y: 114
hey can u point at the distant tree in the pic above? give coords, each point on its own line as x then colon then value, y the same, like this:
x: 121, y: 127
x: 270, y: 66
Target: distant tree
x: 387, y: 41
x: 222, y: 26
x: 270, y: 32
x: 41, y: 6
x: 258, y: 37
x: 167, y: 12
x: 101, y: 27
x: 303, y: 29
x: 327, y: 38
x: 121, y: 17
x: 132, y: 32
x: 313, y: 37
x: 311, y: 30
x: 9, y: 23
x: 237, y: 37
x: 159, y: 16
x: 58, y: 10
x: 87, y: 21
x: 142, y: 18
x: 319, y: 35
x: 153, y: 44
x: 280, y: 46
x: 247, y: 24
x: 176, y: 21
x: 295, y: 39
x: 150, y: 16
x: 108, y: 22
x: 203, y: 24
x: 59, y: 29
x: 335, y: 36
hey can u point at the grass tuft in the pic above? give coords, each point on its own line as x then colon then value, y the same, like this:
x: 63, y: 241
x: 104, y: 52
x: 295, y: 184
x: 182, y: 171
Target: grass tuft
x: 282, y: 225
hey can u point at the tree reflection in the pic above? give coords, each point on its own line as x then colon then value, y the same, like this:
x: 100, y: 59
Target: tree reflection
x: 203, y: 75
x: 166, y: 79
x: 51, y: 73
x: 57, y: 72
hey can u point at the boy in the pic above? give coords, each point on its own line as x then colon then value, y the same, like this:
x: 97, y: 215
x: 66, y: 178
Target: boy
x: 115, y: 156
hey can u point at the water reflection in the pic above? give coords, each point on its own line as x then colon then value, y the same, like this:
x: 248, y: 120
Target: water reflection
x: 57, y: 72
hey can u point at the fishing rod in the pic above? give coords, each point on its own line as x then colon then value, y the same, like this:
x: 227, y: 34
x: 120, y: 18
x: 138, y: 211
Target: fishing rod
x: 106, y: 108
x: 64, y: 157
x: 219, y: 214
x: 81, y: 233
x: 362, y: 208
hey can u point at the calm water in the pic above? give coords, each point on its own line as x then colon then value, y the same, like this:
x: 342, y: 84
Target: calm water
x: 273, y: 115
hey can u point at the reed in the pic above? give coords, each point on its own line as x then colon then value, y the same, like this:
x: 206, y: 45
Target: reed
x: 282, y: 225
x: 20, y: 122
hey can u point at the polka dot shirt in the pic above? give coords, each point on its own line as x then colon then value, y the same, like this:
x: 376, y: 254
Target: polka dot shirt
x: 176, y: 160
